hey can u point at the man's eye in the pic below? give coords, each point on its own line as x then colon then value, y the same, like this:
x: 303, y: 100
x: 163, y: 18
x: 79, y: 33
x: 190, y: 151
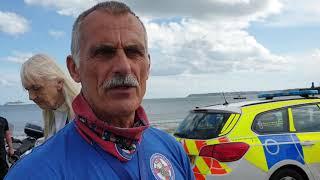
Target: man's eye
x: 105, y: 52
x: 133, y: 52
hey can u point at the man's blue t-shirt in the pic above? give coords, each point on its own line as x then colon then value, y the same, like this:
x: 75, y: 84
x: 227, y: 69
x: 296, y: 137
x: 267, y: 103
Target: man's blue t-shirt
x: 68, y: 156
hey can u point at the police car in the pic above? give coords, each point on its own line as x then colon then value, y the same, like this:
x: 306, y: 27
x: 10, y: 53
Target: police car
x: 270, y: 139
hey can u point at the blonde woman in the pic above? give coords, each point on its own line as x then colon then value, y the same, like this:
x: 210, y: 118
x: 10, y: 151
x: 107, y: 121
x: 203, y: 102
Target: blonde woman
x: 51, y: 90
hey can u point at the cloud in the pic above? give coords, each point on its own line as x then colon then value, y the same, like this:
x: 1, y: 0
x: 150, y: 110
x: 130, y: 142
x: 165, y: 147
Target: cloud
x: 196, y: 47
x: 64, y: 7
x: 18, y: 57
x: 13, y: 24
x: 56, y: 33
x: 316, y: 54
x: 210, y: 83
x: 9, y: 80
x: 306, y: 64
x: 302, y: 70
x: 4, y: 82
x: 168, y: 8
x: 11, y: 88
x: 208, y: 9
x: 297, y: 13
x: 198, y: 37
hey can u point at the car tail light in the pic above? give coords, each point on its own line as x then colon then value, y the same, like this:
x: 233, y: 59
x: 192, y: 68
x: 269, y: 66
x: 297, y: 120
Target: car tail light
x: 225, y: 152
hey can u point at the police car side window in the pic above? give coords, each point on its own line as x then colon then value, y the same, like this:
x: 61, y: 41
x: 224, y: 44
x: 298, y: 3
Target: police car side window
x: 271, y: 122
x: 306, y: 118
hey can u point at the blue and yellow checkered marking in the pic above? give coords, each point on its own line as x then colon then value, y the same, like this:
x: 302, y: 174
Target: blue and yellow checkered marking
x: 281, y: 147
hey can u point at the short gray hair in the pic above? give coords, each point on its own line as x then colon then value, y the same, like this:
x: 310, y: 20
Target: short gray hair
x: 111, y: 7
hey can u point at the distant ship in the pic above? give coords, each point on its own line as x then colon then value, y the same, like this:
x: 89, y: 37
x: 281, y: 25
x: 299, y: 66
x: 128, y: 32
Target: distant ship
x: 240, y: 97
x: 14, y: 103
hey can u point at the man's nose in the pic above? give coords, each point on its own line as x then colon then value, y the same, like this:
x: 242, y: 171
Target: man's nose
x: 122, y: 64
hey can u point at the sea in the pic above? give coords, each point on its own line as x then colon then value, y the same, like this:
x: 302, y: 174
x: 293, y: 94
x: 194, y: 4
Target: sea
x: 165, y: 113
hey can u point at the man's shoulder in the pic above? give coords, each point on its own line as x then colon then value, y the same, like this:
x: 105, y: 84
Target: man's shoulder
x: 157, y: 134
x: 36, y: 164
x: 59, y: 142
x: 47, y: 158
x: 159, y: 142
x: 164, y: 141
x: 50, y: 149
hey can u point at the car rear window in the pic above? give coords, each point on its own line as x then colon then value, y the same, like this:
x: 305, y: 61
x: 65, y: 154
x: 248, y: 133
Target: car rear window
x: 202, y: 125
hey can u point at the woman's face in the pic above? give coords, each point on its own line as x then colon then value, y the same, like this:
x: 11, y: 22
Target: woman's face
x: 47, y: 94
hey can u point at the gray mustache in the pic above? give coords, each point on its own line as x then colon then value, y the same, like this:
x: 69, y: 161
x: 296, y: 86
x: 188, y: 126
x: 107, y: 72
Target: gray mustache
x: 120, y: 81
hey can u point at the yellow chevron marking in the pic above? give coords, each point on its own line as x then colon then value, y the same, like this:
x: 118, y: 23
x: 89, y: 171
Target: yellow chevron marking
x: 232, y: 124
x: 202, y: 166
x: 227, y: 123
x: 291, y: 124
x: 192, y: 147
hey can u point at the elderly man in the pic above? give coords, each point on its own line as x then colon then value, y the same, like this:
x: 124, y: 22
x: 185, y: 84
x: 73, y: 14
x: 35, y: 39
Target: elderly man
x: 110, y: 137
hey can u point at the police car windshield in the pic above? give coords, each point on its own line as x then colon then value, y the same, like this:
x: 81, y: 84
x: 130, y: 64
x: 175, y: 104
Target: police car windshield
x: 202, y: 125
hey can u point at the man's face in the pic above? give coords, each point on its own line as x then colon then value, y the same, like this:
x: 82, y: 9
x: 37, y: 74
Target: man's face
x: 112, y: 46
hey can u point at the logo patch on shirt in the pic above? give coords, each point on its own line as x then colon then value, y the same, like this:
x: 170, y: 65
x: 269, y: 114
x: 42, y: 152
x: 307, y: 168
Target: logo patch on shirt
x: 161, y: 167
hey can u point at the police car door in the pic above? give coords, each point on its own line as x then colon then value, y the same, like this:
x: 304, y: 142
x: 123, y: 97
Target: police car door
x: 278, y: 144
x: 306, y: 124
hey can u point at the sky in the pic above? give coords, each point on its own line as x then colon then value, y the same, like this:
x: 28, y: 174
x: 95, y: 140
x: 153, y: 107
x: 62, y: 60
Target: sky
x: 196, y: 47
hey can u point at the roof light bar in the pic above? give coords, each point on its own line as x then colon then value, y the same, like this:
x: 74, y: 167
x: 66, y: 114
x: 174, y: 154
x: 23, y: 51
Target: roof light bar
x: 303, y: 93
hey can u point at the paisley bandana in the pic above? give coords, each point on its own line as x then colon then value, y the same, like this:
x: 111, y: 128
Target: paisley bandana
x: 120, y: 142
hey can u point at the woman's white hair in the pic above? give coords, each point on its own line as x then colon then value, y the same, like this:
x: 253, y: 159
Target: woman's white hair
x: 41, y: 66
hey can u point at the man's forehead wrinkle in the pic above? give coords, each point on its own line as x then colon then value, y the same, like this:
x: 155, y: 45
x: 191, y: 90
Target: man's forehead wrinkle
x: 116, y: 46
x: 116, y: 31
x: 127, y: 21
x: 120, y: 40
x: 125, y: 31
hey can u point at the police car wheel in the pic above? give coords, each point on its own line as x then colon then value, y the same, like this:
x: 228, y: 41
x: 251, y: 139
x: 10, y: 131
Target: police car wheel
x: 287, y: 174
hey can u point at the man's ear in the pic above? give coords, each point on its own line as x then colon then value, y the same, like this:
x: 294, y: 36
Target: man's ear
x: 73, y: 69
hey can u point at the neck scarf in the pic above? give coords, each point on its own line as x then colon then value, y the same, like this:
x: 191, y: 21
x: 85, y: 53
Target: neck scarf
x: 119, y: 142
